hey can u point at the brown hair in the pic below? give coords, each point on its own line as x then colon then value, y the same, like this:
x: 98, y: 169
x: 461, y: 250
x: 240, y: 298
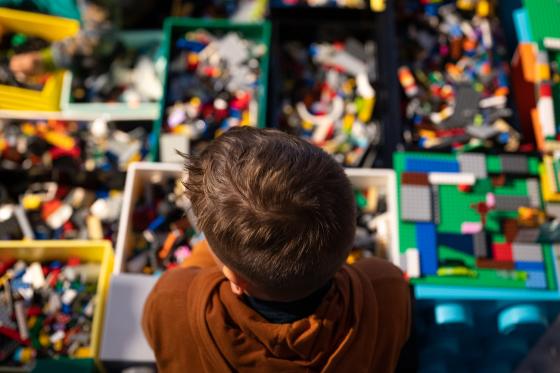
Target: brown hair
x: 274, y: 208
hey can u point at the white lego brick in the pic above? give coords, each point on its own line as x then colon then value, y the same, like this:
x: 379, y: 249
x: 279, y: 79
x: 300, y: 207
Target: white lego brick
x: 552, y: 43
x: 445, y: 178
x: 412, y: 263
x: 545, y: 108
x: 527, y: 252
x: 533, y: 190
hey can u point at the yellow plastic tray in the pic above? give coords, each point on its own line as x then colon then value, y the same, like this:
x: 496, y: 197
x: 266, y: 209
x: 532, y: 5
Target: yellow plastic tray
x: 88, y: 251
x: 47, y: 27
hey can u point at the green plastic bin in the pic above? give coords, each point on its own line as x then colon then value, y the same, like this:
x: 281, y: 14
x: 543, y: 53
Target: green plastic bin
x: 176, y: 26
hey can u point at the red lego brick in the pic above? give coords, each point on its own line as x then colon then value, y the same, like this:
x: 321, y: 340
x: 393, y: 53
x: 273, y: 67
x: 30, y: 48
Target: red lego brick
x: 502, y: 252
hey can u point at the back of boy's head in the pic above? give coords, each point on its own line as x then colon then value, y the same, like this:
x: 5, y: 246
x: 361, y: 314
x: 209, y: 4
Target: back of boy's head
x: 275, y: 209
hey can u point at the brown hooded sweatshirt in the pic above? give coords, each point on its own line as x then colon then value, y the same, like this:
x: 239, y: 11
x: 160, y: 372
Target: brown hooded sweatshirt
x: 195, y: 323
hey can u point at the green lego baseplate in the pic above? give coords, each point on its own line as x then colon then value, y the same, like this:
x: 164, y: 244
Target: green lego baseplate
x: 455, y: 206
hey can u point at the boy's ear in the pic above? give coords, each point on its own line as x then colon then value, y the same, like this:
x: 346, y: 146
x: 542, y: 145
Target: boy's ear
x: 238, y: 284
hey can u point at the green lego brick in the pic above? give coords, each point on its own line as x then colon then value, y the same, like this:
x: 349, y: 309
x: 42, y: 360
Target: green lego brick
x: 407, y: 236
x: 482, y: 187
x: 543, y: 16
x: 493, y: 218
x: 516, y: 187
x: 499, y: 238
x: 493, y: 164
x: 447, y: 253
x: 533, y: 166
x: 549, y: 267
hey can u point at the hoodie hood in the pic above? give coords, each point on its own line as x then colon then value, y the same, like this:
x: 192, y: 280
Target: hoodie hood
x: 339, y: 333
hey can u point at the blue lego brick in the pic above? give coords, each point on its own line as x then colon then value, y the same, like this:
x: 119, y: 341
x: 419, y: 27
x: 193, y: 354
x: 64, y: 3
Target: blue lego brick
x: 427, y: 247
x: 460, y: 242
x: 522, y: 25
x: 430, y: 165
x: 529, y: 266
x: 536, y: 280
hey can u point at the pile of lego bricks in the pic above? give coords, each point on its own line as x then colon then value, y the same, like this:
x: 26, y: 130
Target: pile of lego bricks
x: 64, y: 180
x: 214, y: 81
x: 46, y: 310
x: 328, y: 96
x: 473, y: 220
x: 128, y: 75
x: 455, y: 77
x: 372, y: 235
x: 163, y: 234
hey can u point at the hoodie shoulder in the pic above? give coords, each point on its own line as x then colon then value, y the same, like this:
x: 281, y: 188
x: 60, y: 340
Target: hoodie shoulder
x: 392, y: 292
x: 379, y: 269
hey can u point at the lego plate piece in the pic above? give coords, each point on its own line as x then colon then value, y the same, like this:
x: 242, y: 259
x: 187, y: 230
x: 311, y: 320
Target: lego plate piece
x: 416, y: 203
x: 482, y: 231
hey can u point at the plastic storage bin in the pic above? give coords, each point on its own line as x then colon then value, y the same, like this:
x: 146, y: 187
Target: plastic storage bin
x: 92, y: 251
x: 47, y: 27
x: 307, y: 25
x: 127, y: 314
x: 174, y: 26
x: 478, y: 336
x: 115, y: 110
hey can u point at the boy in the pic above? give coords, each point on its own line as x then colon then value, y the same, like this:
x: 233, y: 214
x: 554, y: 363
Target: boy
x: 279, y: 218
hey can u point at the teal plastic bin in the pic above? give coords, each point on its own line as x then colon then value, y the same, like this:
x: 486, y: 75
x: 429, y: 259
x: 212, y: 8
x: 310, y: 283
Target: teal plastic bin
x: 118, y: 110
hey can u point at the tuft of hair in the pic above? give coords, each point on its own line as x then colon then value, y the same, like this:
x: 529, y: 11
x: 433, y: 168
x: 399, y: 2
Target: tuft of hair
x: 274, y: 208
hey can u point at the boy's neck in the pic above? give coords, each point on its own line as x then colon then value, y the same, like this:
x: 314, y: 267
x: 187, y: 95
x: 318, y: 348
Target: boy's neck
x: 287, y: 312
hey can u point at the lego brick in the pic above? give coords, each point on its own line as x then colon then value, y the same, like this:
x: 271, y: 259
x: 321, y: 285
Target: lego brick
x: 543, y: 17
x: 427, y: 247
x: 534, y: 192
x: 482, y: 132
x: 525, y: 252
x: 430, y: 165
x: 549, y: 176
x: 412, y: 263
x: 528, y: 235
x: 553, y: 209
x: 416, y: 203
x: 552, y: 43
x: 415, y: 178
x: 460, y: 242
x: 480, y: 245
x: 536, y: 280
x: 529, y: 266
x: 473, y: 164
x: 510, y: 228
x: 436, y: 208
x: 511, y: 203
x: 494, y: 264
x: 447, y: 178
x: 502, y: 252
x: 466, y: 105
x: 471, y: 227
x: 515, y: 164
x: 522, y: 25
